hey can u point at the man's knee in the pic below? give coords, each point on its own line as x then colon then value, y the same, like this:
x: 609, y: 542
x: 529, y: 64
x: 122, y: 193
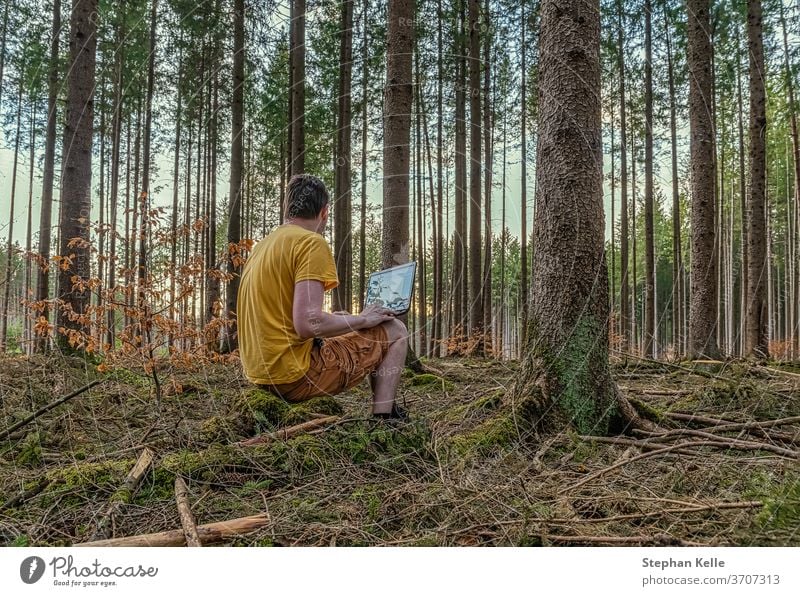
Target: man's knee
x: 395, y: 330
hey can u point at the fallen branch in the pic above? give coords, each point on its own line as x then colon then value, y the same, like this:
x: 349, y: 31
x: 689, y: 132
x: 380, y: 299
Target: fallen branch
x: 26, y: 495
x: 288, y: 432
x: 185, y: 511
x: 658, y: 539
x: 43, y: 410
x: 124, y: 494
x: 631, y: 460
x: 600, y: 520
x: 770, y: 370
x: 208, y: 534
x: 732, y: 443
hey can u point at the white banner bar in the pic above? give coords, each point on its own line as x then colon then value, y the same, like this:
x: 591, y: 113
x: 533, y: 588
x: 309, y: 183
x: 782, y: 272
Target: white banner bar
x: 401, y: 571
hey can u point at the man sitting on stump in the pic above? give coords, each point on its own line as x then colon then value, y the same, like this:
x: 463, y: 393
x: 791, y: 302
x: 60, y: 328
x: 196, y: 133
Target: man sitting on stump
x: 287, y: 343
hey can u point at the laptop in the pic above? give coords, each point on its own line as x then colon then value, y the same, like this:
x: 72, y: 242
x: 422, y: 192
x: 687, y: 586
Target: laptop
x: 392, y: 288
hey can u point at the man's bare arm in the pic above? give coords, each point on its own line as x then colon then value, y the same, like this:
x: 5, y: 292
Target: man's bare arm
x: 311, y: 321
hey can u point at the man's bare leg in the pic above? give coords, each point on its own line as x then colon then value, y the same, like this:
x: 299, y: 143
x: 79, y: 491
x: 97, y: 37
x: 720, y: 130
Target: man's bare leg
x: 386, y: 378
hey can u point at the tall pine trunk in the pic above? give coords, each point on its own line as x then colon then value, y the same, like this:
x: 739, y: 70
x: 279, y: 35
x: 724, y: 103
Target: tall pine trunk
x: 650, y: 269
x: 756, y: 327
x: 624, y: 234
x: 523, y: 208
x: 237, y: 156
x: 460, y: 304
x: 48, y: 175
x: 488, y: 139
x: 677, y: 266
x: 10, y: 238
x: 475, y: 278
x: 76, y: 197
x: 297, y: 66
x: 342, y: 207
x: 397, y: 132
x: 793, y: 108
x: 703, y: 306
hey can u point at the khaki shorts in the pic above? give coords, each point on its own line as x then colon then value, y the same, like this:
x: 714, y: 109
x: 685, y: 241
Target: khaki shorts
x: 338, y: 364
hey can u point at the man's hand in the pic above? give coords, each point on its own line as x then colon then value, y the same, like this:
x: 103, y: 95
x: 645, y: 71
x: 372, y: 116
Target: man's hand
x: 374, y: 314
x: 341, y: 312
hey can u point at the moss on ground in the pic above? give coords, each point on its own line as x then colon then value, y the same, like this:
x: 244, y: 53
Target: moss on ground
x: 781, y: 510
x: 431, y: 381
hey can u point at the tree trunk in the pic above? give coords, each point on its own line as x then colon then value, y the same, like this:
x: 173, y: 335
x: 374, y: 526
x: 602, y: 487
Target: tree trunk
x: 297, y: 61
x: 703, y: 307
x: 10, y: 238
x: 793, y: 108
x: 742, y: 296
x: 650, y: 268
x: 677, y: 276
x: 568, y: 333
x: 756, y: 328
x: 175, y: 195
x: 342, y: 207
x: 237, y: 155
x: 76, y: 197
x: 502, y: 335
x: 624, y: 292
x: 362, y: 247
x: 213, y: 282
x: 523, y: 208
x: 475, y: 278
x: 397, y: 132
x: 422, y: 298
x: 438, y: 275
x: 3, y: 44
x: 48, y: 175
x: 143, y: 281
x: 459, y: 251
x: 488, y: 139
x: 27, y: 289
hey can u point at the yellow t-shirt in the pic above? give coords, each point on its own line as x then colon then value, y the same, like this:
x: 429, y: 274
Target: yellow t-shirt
x: 270, y: 350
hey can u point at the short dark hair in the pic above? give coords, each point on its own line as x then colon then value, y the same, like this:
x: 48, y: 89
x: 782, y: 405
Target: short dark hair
x: 306, y: 196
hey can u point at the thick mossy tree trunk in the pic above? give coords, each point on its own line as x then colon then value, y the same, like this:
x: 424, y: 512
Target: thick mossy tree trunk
x: 565, y: 362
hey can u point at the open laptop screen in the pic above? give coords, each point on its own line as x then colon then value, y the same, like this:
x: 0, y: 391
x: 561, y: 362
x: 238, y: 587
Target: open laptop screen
x: 392, y: 287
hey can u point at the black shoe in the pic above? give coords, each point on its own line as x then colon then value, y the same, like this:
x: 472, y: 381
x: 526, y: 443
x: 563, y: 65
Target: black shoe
x: 398, y: 413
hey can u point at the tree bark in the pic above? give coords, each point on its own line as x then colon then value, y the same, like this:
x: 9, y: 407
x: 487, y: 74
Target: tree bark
x: 475, y: 278
x: 650, y: 269
x: 523, y: 191
x: 362, y: 247
x: 677, y: 266
x: 624, y: 292
x: 297, y: 61
x: 48, y: 175
x: 237, y: 155
x: 460, y: 304
x: 756, y: 328
x: 703, y: 307
x: 342, y: 206
x: 438, y: 275
x: 10, y: 238
x: 397, y: 132
x: 488, y: 140
x: 76, y: 198
x: 143, y: 281
x: 567, y: 363
x: 795, y: 338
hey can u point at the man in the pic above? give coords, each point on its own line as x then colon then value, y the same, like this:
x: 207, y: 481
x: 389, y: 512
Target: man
x: 287, y: 343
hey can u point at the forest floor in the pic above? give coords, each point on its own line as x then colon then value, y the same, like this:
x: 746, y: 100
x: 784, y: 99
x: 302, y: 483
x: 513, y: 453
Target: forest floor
x: 463, y: 472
